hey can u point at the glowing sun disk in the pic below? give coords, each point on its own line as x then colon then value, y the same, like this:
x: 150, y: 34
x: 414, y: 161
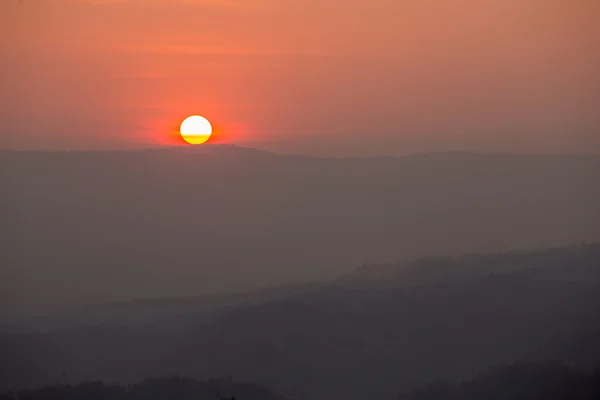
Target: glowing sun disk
x: 195, y: 129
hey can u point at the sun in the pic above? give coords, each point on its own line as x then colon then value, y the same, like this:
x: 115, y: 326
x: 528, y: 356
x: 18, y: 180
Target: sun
x: 195, y: 129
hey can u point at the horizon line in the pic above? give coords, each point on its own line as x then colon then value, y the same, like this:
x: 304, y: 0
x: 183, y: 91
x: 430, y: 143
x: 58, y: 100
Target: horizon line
x: 290, y: 154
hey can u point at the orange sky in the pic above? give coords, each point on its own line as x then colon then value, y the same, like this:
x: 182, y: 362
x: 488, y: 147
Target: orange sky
x: 339, y: 77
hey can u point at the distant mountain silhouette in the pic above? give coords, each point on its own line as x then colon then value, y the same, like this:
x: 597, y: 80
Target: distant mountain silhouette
x: 93, y: 227
x: 433, y: 318
x: 577, y: 264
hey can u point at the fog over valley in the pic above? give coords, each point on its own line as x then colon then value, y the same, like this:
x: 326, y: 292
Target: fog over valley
x: 92, y: 227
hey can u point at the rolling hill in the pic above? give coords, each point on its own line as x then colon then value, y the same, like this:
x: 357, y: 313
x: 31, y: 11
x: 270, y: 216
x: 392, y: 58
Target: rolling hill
x: 443, y: 318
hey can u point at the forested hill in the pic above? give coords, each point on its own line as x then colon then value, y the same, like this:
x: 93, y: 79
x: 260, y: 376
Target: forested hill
x: 518, y: 381
x: 447, y: 318
x: 172, y: 388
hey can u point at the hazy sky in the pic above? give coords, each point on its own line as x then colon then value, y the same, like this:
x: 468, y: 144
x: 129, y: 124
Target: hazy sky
x: 306, y: 76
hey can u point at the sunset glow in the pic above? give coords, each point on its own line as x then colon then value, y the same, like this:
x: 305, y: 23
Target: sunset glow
x: 303, y: 76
